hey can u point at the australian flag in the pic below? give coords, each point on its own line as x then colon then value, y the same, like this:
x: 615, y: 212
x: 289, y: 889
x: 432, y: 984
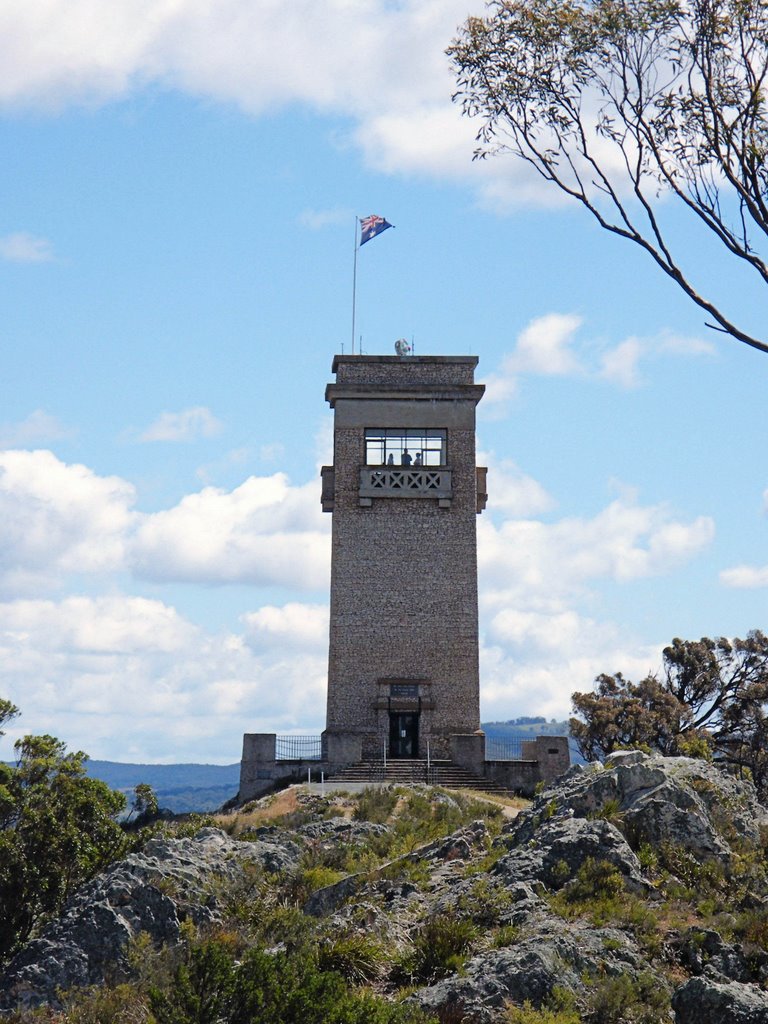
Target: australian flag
x: 372, y: 226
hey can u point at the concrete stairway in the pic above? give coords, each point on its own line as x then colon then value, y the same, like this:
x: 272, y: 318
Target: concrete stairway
x: 408, y: 772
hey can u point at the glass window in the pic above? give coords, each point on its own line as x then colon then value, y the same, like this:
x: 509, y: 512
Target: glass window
x: 395, y: 447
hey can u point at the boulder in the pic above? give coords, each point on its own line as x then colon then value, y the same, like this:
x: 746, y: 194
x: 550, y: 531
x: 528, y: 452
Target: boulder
x: 679, y: 800
x: 556, y: 954
x: 561, y: 845
x: 721, y: 1002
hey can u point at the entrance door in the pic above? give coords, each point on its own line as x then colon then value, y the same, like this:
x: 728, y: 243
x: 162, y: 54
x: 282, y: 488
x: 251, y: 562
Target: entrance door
x: 403, y: 734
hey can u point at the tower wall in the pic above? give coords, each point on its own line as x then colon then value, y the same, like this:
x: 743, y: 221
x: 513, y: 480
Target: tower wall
x: 403, y: 620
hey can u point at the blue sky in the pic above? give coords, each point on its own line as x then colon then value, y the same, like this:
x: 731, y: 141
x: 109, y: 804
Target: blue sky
x: 179, y: 190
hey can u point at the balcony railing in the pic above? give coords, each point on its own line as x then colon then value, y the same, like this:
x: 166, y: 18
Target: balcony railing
x: 405, y: 482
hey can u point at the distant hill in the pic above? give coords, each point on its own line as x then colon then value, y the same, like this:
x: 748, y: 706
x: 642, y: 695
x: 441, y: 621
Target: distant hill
x: 525, y: 728
x: 180, y: 788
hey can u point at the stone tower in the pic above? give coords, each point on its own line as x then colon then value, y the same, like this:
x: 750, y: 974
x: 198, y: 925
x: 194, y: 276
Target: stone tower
x: 404, y: 492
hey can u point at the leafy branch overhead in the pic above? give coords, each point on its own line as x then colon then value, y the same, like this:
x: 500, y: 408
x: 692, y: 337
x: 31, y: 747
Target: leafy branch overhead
x: 620, y: 103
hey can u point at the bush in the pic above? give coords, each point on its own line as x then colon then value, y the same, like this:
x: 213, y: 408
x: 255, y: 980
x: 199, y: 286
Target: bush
x: 357, y: 958
x: 58, y: 828
x: 438, y: 949
x: 375, y: 804
x: 271, y: 987
x: 622, y: 999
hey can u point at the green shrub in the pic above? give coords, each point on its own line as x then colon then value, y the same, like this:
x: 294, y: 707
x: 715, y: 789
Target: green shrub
x: 622, y: 999
x: 597, y: 893
x: 526, y: 1014
x: 438, y: 949
x: 610, y: 811
x: 302, y: 883
x: 278, y: 988
x: 560, y: 1008
x: 694, y: 746
x: 375, y: 804
x: 357, y: 958
x: 700, y: 878
x: 505, y: 935
x: 594, y: 879
x: 649, y: 858
x: 484, y: 902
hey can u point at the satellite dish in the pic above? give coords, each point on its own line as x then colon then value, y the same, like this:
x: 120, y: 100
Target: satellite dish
x: 402, y: 347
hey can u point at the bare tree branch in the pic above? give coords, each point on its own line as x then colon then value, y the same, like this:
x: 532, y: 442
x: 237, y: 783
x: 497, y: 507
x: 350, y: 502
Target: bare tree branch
x: 678, y: 90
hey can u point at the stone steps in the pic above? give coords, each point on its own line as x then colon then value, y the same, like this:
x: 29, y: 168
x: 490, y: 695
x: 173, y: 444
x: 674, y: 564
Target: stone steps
x: 409, y: 772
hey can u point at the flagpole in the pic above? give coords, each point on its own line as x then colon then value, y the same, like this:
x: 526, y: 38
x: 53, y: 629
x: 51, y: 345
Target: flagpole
x: 354, y: 289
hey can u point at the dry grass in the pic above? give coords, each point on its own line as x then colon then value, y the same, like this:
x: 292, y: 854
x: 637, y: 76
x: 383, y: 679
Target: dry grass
x: 275, y: 805
x: 260, y: 812
x: 510, y: 805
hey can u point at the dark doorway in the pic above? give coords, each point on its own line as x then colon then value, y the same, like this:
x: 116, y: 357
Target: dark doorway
x: 403, y: 734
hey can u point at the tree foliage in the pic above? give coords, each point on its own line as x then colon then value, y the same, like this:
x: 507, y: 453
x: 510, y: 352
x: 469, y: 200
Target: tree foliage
x: 279, y: 987
x: 712, y: 698
x: 617, y: 101
x: 58, y: 828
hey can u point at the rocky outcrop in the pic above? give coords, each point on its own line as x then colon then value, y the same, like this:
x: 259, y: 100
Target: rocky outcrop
x: 686, y: 805
x: 560, y: 848
x: 727, y: 1002
x: 154, y: 891
x: 554, y: 955
x: 630, y: 823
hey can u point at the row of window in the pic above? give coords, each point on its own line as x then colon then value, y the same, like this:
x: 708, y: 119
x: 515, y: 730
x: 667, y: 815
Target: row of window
x: 399, y: 447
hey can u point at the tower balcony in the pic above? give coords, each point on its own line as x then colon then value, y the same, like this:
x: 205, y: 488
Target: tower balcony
x: 405, y: 482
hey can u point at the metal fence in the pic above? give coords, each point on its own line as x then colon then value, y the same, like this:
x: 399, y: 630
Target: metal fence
x: 510, y: 749
x: 298, y: 748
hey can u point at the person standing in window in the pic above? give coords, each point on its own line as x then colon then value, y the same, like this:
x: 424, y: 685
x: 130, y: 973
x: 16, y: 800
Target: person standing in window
x: 405, y: 458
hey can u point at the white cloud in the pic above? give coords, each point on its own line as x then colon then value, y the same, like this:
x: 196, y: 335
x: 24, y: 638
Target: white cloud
x: 58, y: 519
x: 22, y: 247
x: 620, y: 363
x: 544, y: 347
x: 534, y: 662
x: 187, y: 425
x: 528, y: 561
x: 547, y: 347
x: 292, y: 626
x: 514, y: 492
x: 38, y: 426
x: 316, y: 220
x: 263, y: 532
x: 745, y: 577
x: 130, y: 679
x: 381, y: 65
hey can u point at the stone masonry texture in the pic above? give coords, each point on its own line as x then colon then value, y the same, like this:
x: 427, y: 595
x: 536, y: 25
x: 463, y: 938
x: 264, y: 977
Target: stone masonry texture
x: 404, y: 570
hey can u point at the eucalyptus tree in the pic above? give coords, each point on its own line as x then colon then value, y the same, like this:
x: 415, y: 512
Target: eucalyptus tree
x: 620, y: 104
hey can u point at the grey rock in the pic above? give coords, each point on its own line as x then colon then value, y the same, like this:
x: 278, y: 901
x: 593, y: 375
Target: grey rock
x: 342, y: 830
x: 721, y: 1002
x: 556, y: 955
x: 153, y: 892
x: 329, y: 898
x: 560, y: 847
x: 624, y: 757
x: 702, y: 951
x: 679, y: 800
